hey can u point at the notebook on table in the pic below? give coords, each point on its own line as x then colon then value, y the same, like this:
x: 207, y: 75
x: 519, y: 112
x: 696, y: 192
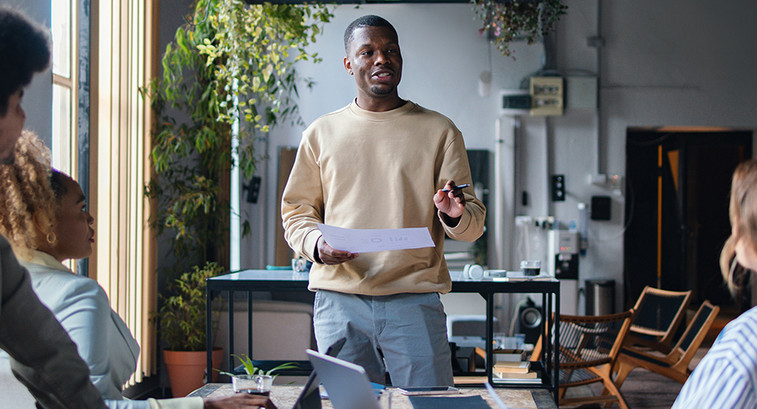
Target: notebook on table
x: 449, y: 402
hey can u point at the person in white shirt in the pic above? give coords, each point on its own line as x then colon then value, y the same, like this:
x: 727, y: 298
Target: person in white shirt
x: 52, y: 226
x: 727, y: 376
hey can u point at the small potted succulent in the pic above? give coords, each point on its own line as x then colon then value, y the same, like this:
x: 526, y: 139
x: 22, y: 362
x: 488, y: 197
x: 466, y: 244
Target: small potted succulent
x: 255, y: 380
x: 505, y: 21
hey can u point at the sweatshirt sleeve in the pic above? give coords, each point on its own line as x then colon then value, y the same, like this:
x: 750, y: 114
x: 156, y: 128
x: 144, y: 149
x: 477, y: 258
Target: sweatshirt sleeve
x: 302, y: 202
x: 455, y: 166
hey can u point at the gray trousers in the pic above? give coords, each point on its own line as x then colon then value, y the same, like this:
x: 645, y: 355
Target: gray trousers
x: 403, y: 334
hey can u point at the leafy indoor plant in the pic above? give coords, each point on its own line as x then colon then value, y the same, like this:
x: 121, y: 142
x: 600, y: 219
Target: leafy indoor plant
x: 228, y: 77
x: 181, y: 317
x: 231, y: 62
x: 505, y: 21
x: 181, y: 322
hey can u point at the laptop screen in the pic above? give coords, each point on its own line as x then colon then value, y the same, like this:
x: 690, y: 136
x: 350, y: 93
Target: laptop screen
x: 310, y: 398
x: 346, y: 383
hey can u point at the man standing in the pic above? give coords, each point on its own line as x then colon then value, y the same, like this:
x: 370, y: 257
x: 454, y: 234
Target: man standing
x: 44, y: 357
x: 381, y: 162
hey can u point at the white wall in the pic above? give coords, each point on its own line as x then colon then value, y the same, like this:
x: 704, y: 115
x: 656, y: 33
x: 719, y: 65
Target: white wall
x: 682, y: 62
x: 443, y: 56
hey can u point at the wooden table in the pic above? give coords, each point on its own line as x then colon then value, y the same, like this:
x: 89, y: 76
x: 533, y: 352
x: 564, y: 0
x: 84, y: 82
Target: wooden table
x: 284, y: 396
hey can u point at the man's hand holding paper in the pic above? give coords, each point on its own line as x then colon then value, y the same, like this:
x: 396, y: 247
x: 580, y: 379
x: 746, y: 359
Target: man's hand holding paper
x: 329, y: 255
x: 353, y: 241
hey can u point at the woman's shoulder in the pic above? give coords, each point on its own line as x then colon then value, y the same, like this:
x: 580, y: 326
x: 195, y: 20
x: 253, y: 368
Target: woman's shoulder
x: 745, y: 325
x: 735, y: 344
x: 57, y: 288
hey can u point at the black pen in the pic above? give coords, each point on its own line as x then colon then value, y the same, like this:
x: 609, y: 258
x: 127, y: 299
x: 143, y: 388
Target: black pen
x: 456, y: 187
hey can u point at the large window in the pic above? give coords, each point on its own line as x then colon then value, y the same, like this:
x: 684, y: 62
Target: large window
x: 64, y: 34
x: 105, y: 144
x: 122, y: 61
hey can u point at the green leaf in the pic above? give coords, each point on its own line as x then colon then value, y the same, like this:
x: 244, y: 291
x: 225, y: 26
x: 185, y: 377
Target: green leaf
x: 236, y: 52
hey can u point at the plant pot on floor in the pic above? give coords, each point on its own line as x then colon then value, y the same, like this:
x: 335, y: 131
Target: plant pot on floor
x: 186, y: 369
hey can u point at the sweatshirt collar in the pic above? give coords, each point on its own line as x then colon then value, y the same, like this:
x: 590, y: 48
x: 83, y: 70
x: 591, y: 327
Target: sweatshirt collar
x: 381, y: 116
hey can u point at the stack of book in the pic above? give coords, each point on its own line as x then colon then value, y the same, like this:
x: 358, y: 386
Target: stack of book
x: 514, y: 372
x: 509, y: 355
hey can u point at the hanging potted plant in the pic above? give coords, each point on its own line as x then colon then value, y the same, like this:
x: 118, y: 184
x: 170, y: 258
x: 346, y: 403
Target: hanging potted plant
x: 505, y: 21
x: 231, y: 64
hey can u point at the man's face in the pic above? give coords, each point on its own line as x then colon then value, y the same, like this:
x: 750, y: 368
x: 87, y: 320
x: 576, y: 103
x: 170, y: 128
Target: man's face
x: 373, y: 57
x: 11, y: 125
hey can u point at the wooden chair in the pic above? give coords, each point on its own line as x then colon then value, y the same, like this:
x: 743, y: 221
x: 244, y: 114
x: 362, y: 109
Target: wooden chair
x: 674, y: 365
x: 589, y: 346
x: 657, y: 316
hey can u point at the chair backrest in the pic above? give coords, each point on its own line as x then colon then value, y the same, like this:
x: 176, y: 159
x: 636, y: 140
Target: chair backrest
x: 587, y: 341
x: 659, y: 312
x: 696, y: 331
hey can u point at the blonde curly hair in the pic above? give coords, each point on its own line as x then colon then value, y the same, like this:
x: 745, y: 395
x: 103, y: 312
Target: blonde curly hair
x: 742, y: 211
x: 27, y: 201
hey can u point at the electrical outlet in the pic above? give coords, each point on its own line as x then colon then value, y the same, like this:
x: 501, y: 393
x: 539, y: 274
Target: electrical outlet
x: 558, y: 188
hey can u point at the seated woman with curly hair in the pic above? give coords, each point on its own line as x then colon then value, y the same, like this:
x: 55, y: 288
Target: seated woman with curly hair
x: 46, y: 220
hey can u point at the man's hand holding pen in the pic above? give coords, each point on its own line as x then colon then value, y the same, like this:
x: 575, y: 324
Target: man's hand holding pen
x: 451, y: 202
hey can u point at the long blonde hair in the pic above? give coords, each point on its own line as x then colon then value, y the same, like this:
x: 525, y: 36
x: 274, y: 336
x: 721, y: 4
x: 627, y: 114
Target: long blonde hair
x: 27, y: 200
x: 742, y: 211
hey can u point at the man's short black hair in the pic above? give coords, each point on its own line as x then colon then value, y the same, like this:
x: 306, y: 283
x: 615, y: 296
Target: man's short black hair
x: 24, y: 50
x: 365, y: 21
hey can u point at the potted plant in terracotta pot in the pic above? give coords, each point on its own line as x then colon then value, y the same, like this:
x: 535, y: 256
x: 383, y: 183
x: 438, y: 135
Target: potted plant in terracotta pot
x: 181, y: 320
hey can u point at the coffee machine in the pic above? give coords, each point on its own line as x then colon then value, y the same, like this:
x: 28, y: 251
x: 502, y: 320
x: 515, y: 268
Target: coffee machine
x: 562, y: 262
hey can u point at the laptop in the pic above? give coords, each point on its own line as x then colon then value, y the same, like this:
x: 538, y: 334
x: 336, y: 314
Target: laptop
x: 310, y: 397
x: 346, y: 383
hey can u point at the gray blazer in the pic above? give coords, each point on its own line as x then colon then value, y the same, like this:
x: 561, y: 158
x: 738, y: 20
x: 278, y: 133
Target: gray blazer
x: 44, y: 358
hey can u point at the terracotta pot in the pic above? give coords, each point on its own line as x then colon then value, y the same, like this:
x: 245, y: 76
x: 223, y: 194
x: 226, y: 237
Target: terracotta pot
x: 186, y: 369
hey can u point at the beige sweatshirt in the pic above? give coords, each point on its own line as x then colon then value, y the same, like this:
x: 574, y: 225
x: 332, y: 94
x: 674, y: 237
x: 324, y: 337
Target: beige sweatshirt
x: 379, y: 170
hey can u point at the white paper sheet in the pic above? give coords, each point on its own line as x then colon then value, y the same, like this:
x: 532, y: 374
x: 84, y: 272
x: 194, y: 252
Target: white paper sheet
x: 368, y: 240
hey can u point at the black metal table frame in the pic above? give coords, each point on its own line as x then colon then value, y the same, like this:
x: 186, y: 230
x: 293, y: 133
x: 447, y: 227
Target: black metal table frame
x: 282, y: 280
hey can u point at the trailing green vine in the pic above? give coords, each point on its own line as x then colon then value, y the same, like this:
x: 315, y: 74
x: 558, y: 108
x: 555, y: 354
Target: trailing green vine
x: 230, y: 64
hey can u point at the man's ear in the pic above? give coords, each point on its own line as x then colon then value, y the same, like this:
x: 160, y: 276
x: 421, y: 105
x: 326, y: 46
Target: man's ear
x: 348, y: 65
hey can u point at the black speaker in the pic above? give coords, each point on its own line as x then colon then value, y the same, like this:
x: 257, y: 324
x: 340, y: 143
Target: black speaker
x: 601, y: 208
x: 530, y: 320
x: 253, y: 189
